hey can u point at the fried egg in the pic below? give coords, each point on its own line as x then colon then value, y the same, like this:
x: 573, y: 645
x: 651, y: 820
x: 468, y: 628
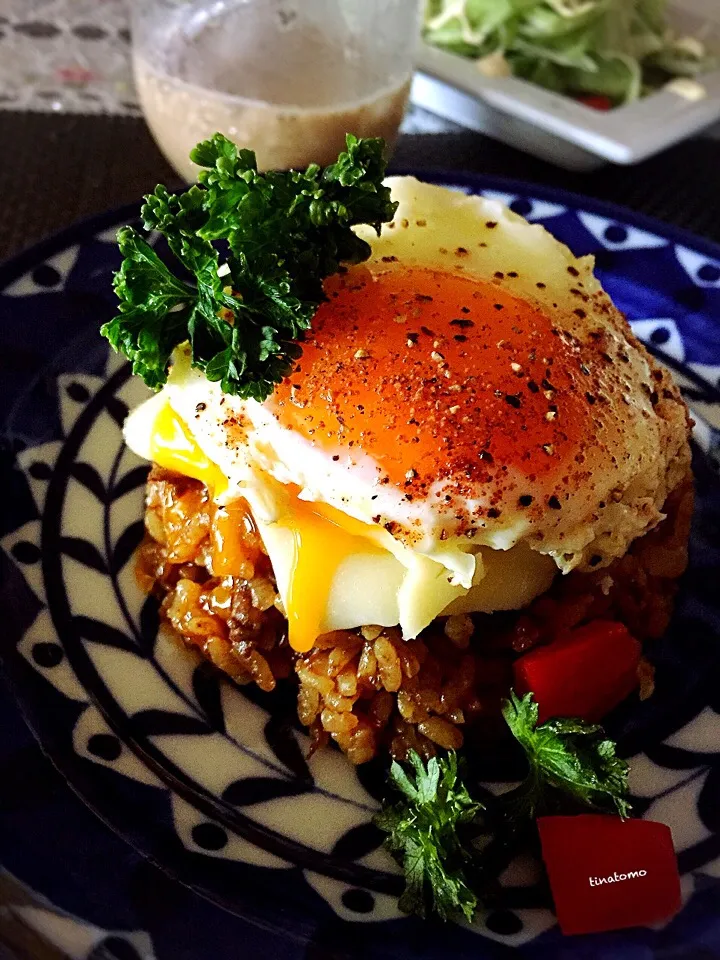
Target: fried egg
x: 470, y: 415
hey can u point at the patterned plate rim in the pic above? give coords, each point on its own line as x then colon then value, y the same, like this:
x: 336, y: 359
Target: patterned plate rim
x: 85, y: 229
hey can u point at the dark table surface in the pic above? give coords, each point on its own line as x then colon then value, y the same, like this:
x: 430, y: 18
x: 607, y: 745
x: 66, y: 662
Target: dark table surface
x: 57, y: 169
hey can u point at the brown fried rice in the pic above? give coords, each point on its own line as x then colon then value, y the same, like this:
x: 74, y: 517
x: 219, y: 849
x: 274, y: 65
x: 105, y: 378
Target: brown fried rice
x: 367, y: 689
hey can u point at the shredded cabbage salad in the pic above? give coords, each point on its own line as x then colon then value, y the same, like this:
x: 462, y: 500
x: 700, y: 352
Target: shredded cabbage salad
x: 618, y: 49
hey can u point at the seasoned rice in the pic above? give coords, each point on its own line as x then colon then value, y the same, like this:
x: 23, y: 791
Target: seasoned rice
x: 367, y: 689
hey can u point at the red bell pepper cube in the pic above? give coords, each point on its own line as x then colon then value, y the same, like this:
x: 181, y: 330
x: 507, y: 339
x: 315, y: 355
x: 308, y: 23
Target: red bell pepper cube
x: 584, y: 674
x: 607, y: 874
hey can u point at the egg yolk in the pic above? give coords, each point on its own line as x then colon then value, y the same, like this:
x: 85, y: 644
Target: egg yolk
x: 173, y: 447
x: 438, y: 377
x: 322, y: 536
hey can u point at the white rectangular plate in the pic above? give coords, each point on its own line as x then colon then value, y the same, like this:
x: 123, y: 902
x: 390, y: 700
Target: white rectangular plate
x: 560, y: 129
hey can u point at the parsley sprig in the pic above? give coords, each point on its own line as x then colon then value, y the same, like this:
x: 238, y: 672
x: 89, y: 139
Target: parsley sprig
x: 431, y: 828
x: 423, y: 835
x: 280, y: 235
x: 567, y: 756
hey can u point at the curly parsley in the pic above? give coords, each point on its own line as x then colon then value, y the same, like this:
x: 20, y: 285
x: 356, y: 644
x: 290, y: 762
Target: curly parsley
x: 280, y: 235
x: 423, y: 836
x: 565, y: 755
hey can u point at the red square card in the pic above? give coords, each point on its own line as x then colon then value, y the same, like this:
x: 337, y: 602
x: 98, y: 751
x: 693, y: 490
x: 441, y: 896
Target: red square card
x: 607, y: 873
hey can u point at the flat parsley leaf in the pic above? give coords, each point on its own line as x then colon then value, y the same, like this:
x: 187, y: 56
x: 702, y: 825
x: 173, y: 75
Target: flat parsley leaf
x: 423, y: 836
x: 280, y: 234
x: 566, y: 755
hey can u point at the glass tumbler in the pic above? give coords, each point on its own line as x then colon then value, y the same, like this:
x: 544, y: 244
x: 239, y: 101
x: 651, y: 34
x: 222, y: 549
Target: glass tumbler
x: 286, y: 78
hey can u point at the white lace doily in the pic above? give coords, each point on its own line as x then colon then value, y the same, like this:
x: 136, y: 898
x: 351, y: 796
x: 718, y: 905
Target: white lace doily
x: 66, y: 56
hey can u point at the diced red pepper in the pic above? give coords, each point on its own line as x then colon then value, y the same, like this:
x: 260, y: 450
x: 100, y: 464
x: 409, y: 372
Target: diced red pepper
x: 607, y: 874
x: 584, y: 674
x: 597, y: 101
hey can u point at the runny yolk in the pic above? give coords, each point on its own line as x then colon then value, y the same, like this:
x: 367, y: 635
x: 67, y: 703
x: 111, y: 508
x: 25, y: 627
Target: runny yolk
x: 173, y: 447
x: 323, y: 537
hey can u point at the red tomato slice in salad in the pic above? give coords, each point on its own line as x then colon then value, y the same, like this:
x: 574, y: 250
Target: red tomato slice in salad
x: 598, y: 101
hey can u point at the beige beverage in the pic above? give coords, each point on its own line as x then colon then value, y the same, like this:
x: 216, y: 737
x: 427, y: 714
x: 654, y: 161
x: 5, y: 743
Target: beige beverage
x: 291, y: 95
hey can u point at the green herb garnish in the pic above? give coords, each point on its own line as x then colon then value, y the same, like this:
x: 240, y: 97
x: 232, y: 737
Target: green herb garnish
x: 278, y: 236
x: 566, y: 755
x: 430, y: 829
x: 423, y: 836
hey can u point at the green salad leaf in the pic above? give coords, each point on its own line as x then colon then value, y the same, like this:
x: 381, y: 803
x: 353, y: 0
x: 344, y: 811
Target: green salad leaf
x: 279, y: 234
x: 616, y: 48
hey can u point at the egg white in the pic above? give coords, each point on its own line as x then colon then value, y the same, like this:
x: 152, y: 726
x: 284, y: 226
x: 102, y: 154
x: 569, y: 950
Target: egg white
x: 509, y: 562
x: 400, y: 586
x: 430, y: 225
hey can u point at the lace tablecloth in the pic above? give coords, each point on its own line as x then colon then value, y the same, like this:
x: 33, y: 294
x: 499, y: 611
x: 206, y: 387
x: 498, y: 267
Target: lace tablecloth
x: 73, y: 56
x: 66, y: 56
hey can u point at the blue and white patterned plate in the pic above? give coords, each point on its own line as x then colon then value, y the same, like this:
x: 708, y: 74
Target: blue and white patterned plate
x: 209, y: 781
